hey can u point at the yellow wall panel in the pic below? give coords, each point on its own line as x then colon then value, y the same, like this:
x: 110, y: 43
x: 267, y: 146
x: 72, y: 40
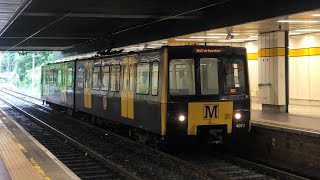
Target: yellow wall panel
x: 252, y: 56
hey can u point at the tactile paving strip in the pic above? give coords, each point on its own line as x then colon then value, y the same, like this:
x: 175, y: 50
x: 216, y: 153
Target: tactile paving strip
x: 17, y: 164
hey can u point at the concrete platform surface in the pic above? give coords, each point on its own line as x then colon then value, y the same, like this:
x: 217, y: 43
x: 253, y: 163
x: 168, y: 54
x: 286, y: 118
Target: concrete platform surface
x: 4, y: 174
x: 25, y: 158
x: 284, y: 120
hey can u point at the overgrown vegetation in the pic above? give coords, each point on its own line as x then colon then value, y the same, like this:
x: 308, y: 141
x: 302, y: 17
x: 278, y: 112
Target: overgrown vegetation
x: 16, y: 69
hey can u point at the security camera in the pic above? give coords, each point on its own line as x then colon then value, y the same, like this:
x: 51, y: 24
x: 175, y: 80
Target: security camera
x: 229, y: 36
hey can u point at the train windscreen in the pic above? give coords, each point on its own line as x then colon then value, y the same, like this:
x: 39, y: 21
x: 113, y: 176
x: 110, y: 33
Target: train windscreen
x: 209, y: 76
x: 234, y: 77
x: 181, y: 74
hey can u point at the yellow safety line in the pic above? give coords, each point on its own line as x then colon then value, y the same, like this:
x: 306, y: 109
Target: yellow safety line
x: 39, y: 169
x: 21, y: 147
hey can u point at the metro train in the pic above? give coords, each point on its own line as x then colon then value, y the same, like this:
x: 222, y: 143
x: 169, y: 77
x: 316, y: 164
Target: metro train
x: 161, y: 94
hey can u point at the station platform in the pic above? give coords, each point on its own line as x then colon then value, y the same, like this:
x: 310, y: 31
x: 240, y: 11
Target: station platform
x: 24, y: 158
x: 287, y: 121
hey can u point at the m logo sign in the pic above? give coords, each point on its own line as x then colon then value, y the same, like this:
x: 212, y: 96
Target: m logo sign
x: 210, y: 111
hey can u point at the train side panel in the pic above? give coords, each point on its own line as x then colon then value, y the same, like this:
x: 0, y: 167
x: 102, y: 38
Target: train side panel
x: 57, y: 84
x: 124, y: 89
x: 83, y: 89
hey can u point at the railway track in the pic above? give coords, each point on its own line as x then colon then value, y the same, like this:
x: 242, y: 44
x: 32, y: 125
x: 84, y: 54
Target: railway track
x: 85, y: 163
x: 137, y: 159
x: 237, y: 168
x: 227, y: 168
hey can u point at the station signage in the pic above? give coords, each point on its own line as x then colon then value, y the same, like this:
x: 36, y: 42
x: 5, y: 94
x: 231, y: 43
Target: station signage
x: 204, y: 50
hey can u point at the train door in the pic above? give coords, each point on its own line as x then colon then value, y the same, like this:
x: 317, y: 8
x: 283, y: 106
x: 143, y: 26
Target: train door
x: 127, y: 73
x: 88, y: 85
x: 63, y: 83
x: 131, y: 87
x: 45, y: 81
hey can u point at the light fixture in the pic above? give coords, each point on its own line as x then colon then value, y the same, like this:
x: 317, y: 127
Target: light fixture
x: 232, y: 40
x: 182, y: 118
x: 315, y: 14
x: 156, y: 44
x: 237, y: 115
x: 308, y: 30
x: 297, y: 21
x: 204, y: 37
x: 189, y: 39
x: 220, y: 34
x: 294, y: 33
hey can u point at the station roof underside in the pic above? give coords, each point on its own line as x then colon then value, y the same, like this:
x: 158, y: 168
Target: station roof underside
x: 85, y: 26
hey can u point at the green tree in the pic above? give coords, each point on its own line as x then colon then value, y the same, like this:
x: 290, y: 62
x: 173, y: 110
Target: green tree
x: 19, y: 66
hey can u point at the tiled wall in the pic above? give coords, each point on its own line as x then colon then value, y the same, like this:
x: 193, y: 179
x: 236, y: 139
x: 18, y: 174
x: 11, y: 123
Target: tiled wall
x: 304, y: 67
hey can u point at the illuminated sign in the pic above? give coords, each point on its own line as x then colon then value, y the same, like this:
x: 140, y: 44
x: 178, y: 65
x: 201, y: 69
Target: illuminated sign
x: 198, y: 50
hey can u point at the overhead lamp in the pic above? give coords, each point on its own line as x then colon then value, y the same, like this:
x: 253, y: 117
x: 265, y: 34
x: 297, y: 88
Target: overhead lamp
x: 232, y: 40
x: 156, y: 44
x: 297, y: 21
x: 205, y: 37
x: 189, y: 39
x: 221, y: 34
x: 315, y: 14
x: 294, y: 33
x: 308, y: 30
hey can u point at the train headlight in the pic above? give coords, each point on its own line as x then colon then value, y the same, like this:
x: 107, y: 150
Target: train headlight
x: 182, y: 118
x: 237, y: 116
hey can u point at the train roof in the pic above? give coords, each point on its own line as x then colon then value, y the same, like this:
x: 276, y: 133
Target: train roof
x: 142, y: 51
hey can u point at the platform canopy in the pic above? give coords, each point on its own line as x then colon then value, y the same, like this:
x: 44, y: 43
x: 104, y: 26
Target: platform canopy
x: 90, y: 25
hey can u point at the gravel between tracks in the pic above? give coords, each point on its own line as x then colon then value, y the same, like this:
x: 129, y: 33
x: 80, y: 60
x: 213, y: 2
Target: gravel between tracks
x: 142, y: 161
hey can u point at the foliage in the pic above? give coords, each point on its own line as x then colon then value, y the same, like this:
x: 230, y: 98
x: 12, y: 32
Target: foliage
x: 18, y: 67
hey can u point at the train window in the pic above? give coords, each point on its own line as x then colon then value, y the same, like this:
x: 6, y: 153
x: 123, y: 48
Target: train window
x: 96, y: 77
x: 155, y: 78
x: 59, y: 77
x: 105, y: 79
x: 69, y: 77
x: 131, y: 77
x: 181, y: 77
x: 143, y: 70
x: 54, y: 76
x: 234, y: 77
x: 51, y: 75
x: 48, y: 74
x: 80, y: 77
x: 209, y: 76
x: 115, y: 77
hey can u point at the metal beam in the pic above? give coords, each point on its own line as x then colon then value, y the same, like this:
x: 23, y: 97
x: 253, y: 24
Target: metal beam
x: 21, y: 8
x: 32, y: 35
x: 64, y: 38
x: 34, y: 48
x: 104, y: 16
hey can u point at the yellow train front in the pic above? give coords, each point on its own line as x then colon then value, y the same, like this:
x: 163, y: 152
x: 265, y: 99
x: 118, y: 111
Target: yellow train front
x: 166, y: 93
x: 208, y: 93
